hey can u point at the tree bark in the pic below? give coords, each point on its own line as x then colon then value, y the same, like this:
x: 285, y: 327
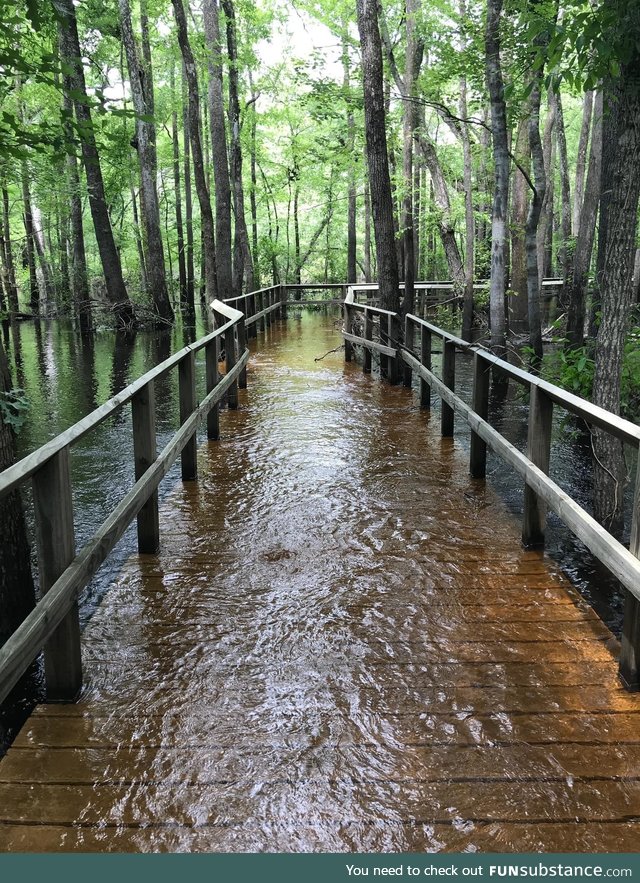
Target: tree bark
x: 577, y: 296
x: 243, y: 261
x: 470, y: 226
x: 109, y: 256
x: 140, y: 77
x: 495, y: 85
x: 12, y: 288
x: 34, y: 288
x: 177, y: 189
x: 620, y: 193
x: 188, y: 199
x: 581, y: 161
x: 226, y: 285
x: 565, y: 193
x: 377, y: 155
x: 518, y: 301
x: 17, y: 594
x: 206, y: 214
x: 533, y: 219
x: 351, y: 187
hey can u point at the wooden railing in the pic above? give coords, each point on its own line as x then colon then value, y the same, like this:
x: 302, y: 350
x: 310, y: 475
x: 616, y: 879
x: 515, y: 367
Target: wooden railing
x: 540, y: 491
x: 54, y: 622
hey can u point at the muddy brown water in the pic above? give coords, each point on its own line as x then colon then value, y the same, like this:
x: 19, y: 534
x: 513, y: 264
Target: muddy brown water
x: 340, y: 646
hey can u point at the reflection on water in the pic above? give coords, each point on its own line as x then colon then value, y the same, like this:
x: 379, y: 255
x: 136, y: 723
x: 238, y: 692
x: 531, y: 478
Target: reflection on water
x: 341, y: 646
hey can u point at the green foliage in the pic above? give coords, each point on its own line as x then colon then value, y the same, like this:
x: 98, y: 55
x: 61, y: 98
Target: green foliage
x: 573, y: 370
x: 446, y: 317
x: 14, y: 407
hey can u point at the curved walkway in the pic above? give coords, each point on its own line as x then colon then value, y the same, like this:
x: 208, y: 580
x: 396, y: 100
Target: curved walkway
x: 341, y: 646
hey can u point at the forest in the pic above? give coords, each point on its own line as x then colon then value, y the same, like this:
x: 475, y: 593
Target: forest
x: 156, y: 154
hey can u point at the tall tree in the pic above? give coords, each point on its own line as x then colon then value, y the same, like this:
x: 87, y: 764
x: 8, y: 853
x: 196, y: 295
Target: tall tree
x: 206, y: 215
x: 377, y: 154
x: 71, y: 54
x: 140, y: 79
x: 495, y: 84
x: 219, y: 150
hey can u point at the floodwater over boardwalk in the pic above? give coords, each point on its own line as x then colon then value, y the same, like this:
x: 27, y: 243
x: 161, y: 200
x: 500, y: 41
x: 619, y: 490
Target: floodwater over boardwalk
x: 341, y: 646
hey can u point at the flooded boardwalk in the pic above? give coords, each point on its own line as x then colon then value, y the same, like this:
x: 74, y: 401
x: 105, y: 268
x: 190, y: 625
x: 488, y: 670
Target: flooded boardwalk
x: 341, y: 646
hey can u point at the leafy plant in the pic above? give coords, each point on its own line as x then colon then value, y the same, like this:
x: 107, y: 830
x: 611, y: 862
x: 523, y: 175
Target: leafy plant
x: 14, y: 406
x: 571, y: 369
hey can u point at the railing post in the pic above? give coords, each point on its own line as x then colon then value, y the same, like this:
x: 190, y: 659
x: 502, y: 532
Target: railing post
x: 143, y: 415
x: 348, y: 346
x: 539, y: 452
x: 383, y: 337
x: 55, y: 539
x: 260, y: 308
x: 212, y: 354
x: 253, y: 331
x: 188, y: 404
x: 230, y: 359
x: 368, y: 335
x: 269, y: 300
x: 393, y: 329
x: 629, y: 666
x: 283, y: 301
x: 449, y: 379
x: 242, y: 343
x: 425, y: 359
x: 480, y: 404
x: 408, y: 342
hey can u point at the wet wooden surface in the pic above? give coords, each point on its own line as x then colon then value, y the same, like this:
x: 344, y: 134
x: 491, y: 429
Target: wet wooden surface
x: 314, y: 672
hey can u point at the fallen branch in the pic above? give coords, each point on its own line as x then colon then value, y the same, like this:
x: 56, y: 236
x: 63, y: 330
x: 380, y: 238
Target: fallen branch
x: 337, y: 349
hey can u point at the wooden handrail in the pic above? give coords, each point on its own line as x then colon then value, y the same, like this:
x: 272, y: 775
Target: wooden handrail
x: 53, y: 623
x: 540, y: 490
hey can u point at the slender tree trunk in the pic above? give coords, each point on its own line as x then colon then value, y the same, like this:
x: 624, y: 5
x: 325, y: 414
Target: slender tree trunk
x: 206, y: 214
x: 140, y: 78
x: 533, y: 219
x: 577, y: 296
x: 367, y: 230
x: 12, y: 289
x: 45, y: 267
x: 470, y: 226
x: 17, y: 594
x: 34, y: 289
x: 137, y: 233
x: 109, y: 256
x: 445, y: 220
x: 581, y: 161
x: 546, y: 215
x: 254, y: 187
x: 565, y: 191
x: 351, y: 191
x: 188, y: 200
x: 177, y: 189
x: 377, y: 155
x: 219, y: 151
x: 242, y: 234
x: 501, y: 163
x: 620, y: 188
x: 518, y: 301
x: 413, y: 56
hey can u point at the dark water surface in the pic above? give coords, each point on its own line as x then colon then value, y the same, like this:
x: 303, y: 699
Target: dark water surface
x: 340, y: 646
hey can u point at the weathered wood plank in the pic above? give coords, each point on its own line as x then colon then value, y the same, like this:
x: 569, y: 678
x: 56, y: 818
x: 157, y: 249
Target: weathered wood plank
x: 449, y: 380
x: 188, y: 404
x: 629, y: 670
x: 371, y: 344
x: 368, y: 336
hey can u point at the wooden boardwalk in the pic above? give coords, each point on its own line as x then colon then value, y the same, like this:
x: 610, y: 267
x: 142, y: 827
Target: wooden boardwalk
x: 341, y: 646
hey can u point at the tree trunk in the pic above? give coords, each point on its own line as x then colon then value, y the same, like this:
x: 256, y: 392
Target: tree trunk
x: 518, y: 302
x: 140, y: 77
x: 581, y: 162
x: 34, y: 288
x: 620, y: 190
x: 219, y: 151
x: 206, y: 214
x: 445, y: 222
x: 351, y: 191
x: 367, y: 230
x: 470, y: 226
x: 17, y: 594
x: 188, y: 200
x: 12, y: 289
x: 377, y: 155
x: 242, y: 253
x: 577, y: 295
x: 546, y: 214
x: 501, y: 163
x: 565, y: 193
x: 413, y: 56
x: 254, y: 187
x: 109, y: 256
x: 533, y: 219
x: 177, y: 189
x: 45, y: 267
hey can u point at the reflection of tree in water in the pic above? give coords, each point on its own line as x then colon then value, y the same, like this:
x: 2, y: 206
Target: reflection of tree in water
x: 122, y: 354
